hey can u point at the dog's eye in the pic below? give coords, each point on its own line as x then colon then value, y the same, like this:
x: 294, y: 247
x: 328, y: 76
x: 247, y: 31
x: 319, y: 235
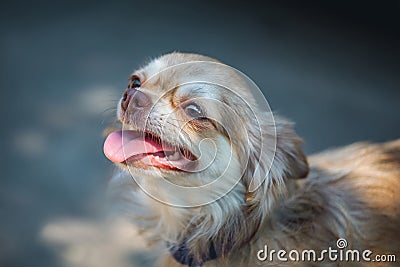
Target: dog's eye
x: 135, y: 83
x: 194, y: 112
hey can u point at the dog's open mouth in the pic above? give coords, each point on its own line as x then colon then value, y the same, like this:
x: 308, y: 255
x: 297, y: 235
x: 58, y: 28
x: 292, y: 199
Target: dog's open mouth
x: 130, y: 147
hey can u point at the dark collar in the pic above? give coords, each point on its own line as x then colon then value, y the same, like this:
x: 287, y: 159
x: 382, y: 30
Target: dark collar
x: 183, y: 255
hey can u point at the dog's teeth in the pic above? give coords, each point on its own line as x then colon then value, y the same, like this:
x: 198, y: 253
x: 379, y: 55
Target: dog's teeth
x: 174, y: 156
x: 157, y: 157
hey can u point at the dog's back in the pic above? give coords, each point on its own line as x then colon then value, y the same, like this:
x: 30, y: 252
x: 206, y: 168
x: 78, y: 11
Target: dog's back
x: 351, y: 193
x: 370, y: 171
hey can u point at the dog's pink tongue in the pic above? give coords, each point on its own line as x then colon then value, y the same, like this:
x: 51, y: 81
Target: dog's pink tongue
x: 121, y: 145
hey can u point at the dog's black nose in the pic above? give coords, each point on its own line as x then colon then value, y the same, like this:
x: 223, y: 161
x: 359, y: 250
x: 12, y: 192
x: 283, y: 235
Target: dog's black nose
x: 134, y: 99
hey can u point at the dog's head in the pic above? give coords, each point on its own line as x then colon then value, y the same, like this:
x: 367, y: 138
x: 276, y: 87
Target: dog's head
x: 191, y: 120
x: 197, y: 132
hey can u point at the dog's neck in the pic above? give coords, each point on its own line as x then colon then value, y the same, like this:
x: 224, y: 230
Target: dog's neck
x: 209, y: 232
x: 194, y: 250
x: 196, y: 235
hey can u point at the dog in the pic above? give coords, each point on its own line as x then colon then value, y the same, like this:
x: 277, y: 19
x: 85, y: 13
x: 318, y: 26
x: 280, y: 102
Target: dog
x: 216, y: 179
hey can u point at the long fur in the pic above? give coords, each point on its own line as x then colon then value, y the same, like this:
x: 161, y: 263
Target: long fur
x: 351, y: 192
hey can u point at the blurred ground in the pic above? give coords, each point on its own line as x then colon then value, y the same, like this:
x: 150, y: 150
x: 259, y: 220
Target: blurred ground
x: 333, y: 69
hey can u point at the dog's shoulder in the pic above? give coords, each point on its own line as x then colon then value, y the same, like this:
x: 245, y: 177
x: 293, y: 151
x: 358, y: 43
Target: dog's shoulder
x: 349, y: 191
x: 369, y: 172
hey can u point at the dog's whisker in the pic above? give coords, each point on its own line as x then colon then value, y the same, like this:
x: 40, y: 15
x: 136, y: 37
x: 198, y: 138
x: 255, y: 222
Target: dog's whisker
x: 108, y: 110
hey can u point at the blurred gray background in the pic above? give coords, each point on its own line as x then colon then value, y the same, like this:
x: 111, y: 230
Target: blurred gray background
x: 332, y: 67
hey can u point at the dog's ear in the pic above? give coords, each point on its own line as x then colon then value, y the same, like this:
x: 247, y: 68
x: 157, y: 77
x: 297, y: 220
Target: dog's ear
x: 289, y: 159
x: 275, y: 155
